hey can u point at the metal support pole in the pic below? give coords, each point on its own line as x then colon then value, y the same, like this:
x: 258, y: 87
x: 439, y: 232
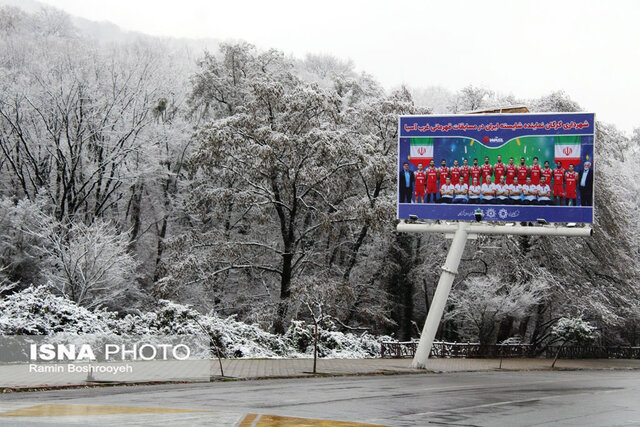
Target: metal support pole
x: 464, y: 230
x: 449, y: 272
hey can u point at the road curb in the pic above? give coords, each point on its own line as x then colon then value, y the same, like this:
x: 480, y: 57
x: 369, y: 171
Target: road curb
x: 376, y: 372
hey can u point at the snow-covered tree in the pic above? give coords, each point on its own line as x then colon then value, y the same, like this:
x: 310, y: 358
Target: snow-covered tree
x: 94, y: 130
x: 472, y: 98
x: 324, y: 69
x: 23, y: 234
x: 481, y: 303
x: 284, y: 155
x: 317, y: 299
x: 554, y: 102
x: 69, y: 128
x: 90, y: 264
x: 572, y: 330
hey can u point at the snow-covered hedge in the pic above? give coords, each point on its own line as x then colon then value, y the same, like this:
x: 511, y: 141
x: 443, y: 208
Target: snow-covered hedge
x: 37, y: 311
x: 574, y: 330
x: 333, y: 344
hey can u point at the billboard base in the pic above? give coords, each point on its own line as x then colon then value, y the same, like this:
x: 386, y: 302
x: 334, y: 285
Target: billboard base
x: 462, y: 231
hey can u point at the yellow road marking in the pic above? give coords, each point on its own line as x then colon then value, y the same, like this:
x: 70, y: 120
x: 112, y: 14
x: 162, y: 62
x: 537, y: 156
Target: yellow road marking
x: 279, y: 421
x: 64, y: 410
x: 248, y: 420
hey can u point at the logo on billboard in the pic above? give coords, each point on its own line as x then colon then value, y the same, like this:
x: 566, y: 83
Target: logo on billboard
x: 488, y: 140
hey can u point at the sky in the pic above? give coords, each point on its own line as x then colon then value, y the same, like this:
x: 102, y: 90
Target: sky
x: 589, y: 49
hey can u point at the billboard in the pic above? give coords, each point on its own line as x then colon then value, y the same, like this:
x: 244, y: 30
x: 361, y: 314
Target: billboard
x: 514, y: 167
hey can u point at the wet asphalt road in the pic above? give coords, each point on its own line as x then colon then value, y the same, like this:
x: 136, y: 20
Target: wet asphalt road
x: 537, y: 398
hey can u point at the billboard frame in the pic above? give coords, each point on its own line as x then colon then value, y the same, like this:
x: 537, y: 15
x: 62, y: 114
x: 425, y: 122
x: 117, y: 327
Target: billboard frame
x: 501, y: 212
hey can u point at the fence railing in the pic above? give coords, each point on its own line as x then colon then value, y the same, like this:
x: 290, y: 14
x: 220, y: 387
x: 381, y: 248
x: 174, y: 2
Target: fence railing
x: 593, y: 352
x: 474, y: 350
x: 398, y: 350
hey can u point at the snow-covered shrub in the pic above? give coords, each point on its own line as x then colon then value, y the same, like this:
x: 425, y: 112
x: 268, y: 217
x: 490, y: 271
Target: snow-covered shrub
x: 515, y: 340
x: 338, y: 345
x: 240, y: 340
x: 332, y: 343
x: 36, y: 311
x: 574, y: 330
x: 90, y: 264
x: 170, y: 318
x: 231, y: 337
x: 300, y: 335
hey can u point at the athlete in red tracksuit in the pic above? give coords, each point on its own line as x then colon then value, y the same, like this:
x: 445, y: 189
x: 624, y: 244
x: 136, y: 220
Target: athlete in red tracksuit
x: 487, y: 170
x: 476, y: 172
x: 522, y: 170
x: 421, y: 180
x: 465, y: 171
x: 443, y: 172
x: 511, y: 171
x: 432, y: 182
x: 535, y: 172
x: 499, y: 169
x: 454, y: 172
x: 571, y: 180
x: 558, y: 184
x: 547, y: 173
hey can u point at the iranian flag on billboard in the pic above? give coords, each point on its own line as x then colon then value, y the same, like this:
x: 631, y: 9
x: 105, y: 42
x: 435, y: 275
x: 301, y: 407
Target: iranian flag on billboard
x: 421, y: 151
x: 567, y: 151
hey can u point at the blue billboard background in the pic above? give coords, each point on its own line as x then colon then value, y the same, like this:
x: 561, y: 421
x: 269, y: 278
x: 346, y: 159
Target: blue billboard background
x: 459, y: 137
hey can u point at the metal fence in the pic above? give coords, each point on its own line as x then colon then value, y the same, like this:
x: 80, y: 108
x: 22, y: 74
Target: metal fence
x: 475, y: 350
x: 593, y: 352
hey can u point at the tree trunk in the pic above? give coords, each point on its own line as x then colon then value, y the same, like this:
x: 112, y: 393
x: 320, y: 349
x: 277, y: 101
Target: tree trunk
x: 363, y: 234
x: 407, y: 303
x: 160, y: 249
x: 315, y: 346
x: 285, y: 292
x: 287, y: 224
x: 532, y: 324
x: 162, y: 230
x: 135, y: 204
x: 355, y: 250
x: 427, y: 303
x: 553, y: 365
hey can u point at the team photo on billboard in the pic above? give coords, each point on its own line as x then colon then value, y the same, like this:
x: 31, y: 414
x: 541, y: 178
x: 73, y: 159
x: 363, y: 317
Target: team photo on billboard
x: 514, y: 167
